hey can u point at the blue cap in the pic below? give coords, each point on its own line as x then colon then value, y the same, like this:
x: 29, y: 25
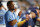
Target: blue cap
x: 28, y: 12
x: 33, y: 8
x: 34, y: 11
x: 36, y: 8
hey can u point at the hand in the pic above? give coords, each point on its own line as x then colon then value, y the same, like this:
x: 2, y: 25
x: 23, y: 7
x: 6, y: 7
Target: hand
x: 12, y: 22
x: 20, y: 13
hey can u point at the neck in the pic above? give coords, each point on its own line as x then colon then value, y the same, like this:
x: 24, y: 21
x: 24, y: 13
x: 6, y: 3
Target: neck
x: 12, y: 11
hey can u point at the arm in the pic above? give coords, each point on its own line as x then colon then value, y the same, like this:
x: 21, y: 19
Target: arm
x: 21, y: 23
x: 4, y: 8
x: 12, y: 22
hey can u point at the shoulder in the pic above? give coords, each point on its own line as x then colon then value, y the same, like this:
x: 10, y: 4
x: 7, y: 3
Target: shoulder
x: 8, y: 13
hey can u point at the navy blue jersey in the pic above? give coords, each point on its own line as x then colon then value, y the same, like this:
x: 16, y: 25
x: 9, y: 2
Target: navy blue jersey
x: 34, y: 20
x: 27, y: 23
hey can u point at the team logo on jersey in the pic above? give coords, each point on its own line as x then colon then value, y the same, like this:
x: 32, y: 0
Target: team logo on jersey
x: 1, y: 12
x: 1, y: 18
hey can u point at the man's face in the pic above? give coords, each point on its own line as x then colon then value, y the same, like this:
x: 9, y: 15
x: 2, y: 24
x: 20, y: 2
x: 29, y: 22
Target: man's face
x: 27, y: 17
x: 20, y: 13
x: 11, y: 6
x: 33, y: 14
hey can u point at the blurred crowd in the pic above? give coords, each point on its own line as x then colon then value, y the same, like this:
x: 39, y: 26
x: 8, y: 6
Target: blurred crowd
x: 26, y: 14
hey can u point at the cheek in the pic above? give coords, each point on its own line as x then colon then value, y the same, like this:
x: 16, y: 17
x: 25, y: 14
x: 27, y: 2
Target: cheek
x: 37, y: 11
x: 33, y: 15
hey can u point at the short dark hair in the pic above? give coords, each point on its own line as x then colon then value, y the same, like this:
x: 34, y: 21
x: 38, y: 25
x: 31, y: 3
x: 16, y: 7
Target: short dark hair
x: 9, y: 2
x: 0, y: 4
x: 39, y: 8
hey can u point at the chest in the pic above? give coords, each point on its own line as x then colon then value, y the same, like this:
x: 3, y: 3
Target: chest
x: 2, y: 13
x: 13, y: 17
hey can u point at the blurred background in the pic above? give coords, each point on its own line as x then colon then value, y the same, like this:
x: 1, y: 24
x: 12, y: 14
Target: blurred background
x: 23, y: 3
